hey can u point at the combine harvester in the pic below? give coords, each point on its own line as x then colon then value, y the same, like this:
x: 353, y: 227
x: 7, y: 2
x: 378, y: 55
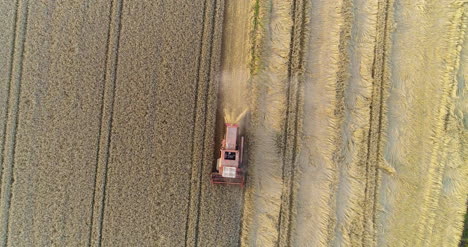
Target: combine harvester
x: 230, y: 166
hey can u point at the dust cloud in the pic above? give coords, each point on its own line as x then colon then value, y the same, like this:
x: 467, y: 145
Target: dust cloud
x: 233, y: 95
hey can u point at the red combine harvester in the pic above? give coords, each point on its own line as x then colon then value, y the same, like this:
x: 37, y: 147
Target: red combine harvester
x: 229, y: 165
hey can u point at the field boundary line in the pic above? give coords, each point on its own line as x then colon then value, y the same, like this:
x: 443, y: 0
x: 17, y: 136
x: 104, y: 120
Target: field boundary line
x: 15, y: 78
x: 290, y: 143
x: 106, y: 121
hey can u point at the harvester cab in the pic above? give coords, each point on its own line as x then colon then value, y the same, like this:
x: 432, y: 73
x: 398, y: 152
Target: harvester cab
x: 229, y: 168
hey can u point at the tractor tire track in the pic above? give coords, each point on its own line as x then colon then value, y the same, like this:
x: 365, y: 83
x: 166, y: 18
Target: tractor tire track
x: 57, y: 123
x: 293, y: 113
x: 105, y: 126
x: 374, y: 139
x: 158, y: 84
x: 206, y: 136
x: 195, y: 169
x: 7, y: 62
x: 353, y: 104
x: 13, y: 111
x: 204, y: 118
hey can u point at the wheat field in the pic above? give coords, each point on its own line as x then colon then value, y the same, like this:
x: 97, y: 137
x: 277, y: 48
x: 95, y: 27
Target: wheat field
x: 354, y: 114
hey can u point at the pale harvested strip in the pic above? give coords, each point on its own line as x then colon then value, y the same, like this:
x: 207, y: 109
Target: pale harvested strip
x: 356, y: 175
x: 269, y: 99
x: 147, y: 190
x: 317, y: 177
x: 451, y: 202
x: 422, y: 95
x: 8, y: 16
x: 54, y: 156
x: 450, y: 193
x: 234, y: 72
x: 438, y: 156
